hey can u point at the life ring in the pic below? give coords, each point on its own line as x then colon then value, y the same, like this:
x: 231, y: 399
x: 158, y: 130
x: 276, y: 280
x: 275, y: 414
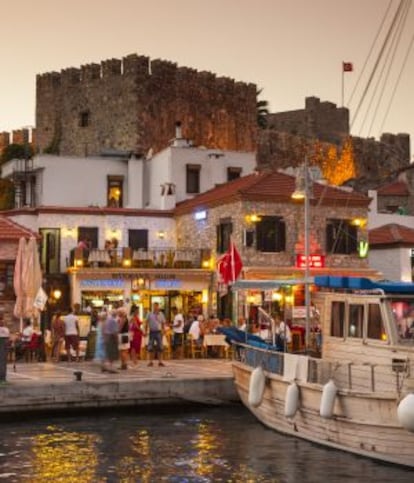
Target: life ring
x: 256, y: 387
x: 292, y: 400
x: 328, y: 399
x: 405, y: 412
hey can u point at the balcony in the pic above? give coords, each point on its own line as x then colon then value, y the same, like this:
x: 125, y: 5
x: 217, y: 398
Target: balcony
x: 183, y: 258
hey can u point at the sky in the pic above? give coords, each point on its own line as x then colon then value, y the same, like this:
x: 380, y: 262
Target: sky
x: 291, y: 49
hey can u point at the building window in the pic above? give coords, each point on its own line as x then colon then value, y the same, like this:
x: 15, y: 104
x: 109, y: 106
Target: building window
x: 224, y: 231
x: 88, y: 234
x: 138, y: 239
x: 233, y: 173
x: 341, y: 237
x: 84, y: 119
x: 114, y: 196
x: 271, y: 234
x: 193, y: 178
x: 356, y: 321
x: 337, y: 319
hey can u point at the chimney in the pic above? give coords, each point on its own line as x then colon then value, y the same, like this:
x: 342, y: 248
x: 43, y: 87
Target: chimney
x: 178, y: 131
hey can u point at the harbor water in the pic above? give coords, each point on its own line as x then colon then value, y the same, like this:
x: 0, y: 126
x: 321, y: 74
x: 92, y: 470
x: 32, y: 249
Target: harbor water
x: 173, y: 444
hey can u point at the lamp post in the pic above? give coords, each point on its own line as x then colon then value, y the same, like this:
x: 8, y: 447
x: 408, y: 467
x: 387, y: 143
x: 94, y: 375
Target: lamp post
x: 302, y: 192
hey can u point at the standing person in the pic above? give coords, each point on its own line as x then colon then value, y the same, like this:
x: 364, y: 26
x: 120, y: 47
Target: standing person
x: 178, y: 330
x: 58, y: 336
x: 100, y: 355
x: 135, y: 329
x: 71, y: 334
x: 124, y: 345
x: 155, y: 326
x: 110, y: 330
x: 5, y: 337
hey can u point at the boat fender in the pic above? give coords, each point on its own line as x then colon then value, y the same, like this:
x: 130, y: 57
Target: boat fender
x: 292, y: 400
x: 256, y: 387
x: 405, y: 412
x: 328, y: 399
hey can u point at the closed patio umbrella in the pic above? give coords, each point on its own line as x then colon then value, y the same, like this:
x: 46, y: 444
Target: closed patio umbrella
x: 32, y: 278
x: 18, y: 282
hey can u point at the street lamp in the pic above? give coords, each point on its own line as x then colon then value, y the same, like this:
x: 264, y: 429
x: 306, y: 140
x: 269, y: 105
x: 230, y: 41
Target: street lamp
x: 302, y: 192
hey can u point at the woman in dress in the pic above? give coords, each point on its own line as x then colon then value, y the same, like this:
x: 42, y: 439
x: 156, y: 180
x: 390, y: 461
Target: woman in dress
x: 135, y: 329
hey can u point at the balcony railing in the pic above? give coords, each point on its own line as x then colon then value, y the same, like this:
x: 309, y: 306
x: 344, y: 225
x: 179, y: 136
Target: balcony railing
x: 128, y: 258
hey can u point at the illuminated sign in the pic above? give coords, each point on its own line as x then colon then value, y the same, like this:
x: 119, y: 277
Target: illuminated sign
x: 104, y: 283
x: 166, y: 284
x: 315, y: 261
x: 363, y: 248
x: 200, y: 215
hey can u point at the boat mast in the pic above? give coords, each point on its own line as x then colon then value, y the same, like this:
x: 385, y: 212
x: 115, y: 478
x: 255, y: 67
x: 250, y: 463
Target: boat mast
x: 307, y: 255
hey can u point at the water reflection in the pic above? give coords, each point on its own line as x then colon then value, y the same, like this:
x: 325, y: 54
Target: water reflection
x: 174, y: 445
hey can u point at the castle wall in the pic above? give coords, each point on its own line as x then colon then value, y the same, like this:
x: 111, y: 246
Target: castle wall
x: 320, y: 120
x: 132, y: 104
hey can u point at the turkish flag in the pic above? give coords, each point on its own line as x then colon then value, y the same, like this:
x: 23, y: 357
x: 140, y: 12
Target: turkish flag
x: 347, y: 66
x: 229, y: 265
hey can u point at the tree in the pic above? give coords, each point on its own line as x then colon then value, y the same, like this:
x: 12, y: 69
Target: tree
x: 16, y: 151
x: 262, y: 111
x: 6, y: 194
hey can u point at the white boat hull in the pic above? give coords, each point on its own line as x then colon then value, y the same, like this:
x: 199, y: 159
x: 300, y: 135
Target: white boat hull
x: 364, y: 423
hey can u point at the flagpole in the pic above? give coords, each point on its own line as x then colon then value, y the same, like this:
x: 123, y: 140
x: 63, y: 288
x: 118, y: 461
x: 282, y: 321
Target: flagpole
x: 343, y: 86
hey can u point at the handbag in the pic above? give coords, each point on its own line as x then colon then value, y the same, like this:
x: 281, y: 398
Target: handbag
x: 124, y: 338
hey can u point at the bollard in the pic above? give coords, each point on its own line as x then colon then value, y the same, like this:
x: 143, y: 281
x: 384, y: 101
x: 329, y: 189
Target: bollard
x: 78, y: 375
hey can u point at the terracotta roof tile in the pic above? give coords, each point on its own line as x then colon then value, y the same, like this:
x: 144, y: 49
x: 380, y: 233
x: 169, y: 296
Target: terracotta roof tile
x: 268, y: 186
x: 9, y: 230
x: 391, y: 234
x: 397, y: 188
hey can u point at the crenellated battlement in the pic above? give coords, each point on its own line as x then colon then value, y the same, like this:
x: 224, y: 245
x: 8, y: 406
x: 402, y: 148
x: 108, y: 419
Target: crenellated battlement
x: 160, y: 92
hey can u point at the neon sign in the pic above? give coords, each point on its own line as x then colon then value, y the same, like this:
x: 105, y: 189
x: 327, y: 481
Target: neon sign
x: 314, y: 261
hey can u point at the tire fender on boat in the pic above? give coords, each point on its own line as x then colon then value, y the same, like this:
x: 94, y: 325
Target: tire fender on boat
x: 405, y: 412
x: 328, y: 399
x: 292, y: 400
x: 256, y: 387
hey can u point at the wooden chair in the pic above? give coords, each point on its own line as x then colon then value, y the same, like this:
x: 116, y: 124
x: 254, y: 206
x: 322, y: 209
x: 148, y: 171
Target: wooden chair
x: 196, y: 349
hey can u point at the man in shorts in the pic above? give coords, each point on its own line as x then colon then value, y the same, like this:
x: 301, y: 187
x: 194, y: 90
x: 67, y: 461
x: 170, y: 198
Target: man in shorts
x: 154, y: 327
x: 71, y: 334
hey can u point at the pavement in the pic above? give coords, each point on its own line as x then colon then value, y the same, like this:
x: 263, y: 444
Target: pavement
x: 44, y: 386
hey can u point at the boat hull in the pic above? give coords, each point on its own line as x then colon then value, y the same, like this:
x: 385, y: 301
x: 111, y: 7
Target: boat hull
x: 362, y: 423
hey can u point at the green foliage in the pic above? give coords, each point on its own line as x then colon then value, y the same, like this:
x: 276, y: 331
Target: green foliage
x: 6, y: 194
x: 16, y: 151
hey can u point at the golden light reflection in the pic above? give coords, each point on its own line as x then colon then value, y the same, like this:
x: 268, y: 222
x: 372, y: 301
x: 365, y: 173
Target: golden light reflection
x: 65, y: 456
x: 140, y: 466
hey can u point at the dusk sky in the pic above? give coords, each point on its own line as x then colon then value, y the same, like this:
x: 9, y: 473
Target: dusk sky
x: 290, y: 48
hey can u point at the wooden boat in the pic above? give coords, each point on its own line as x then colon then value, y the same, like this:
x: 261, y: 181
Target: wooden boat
x: 358, y: 395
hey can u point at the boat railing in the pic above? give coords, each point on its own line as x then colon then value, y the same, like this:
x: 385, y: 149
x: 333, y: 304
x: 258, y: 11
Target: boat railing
x: 359, y: 377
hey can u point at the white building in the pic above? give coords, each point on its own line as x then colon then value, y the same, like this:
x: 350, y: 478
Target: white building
x: 129, y: 201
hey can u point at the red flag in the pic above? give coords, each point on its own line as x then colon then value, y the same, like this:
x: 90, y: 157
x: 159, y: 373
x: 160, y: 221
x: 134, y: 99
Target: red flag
x: 347, y: 66
x: 229, y: 265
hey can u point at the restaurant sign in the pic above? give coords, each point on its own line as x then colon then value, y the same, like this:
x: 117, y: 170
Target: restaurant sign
x: 314, y: 261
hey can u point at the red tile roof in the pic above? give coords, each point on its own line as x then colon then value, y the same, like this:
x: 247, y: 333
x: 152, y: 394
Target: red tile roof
x: 268, y: 186
x: 9, y: 230
x: 397, y: 188
x: 391, y: 234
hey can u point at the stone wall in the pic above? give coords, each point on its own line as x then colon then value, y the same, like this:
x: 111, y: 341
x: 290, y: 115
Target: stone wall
x: 203, y: 233
x: 132, y: 104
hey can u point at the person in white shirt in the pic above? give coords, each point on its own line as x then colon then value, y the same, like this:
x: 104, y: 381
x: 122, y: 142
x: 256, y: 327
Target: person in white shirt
x: 71, y: 334
x: 178, y: 329
x: 27, y: 331
x: 196, y: 330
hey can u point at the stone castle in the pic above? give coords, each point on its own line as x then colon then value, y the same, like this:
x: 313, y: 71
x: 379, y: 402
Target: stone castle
x: 132, y: 104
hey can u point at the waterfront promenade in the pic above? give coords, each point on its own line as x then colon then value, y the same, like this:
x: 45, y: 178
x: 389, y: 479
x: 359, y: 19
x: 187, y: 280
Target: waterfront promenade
x: 47, y: 386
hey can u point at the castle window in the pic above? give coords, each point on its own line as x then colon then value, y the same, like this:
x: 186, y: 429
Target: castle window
x: 233, y: 173
x: 193, y: 178
x: 114, y: 195
x: 84, y: 119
